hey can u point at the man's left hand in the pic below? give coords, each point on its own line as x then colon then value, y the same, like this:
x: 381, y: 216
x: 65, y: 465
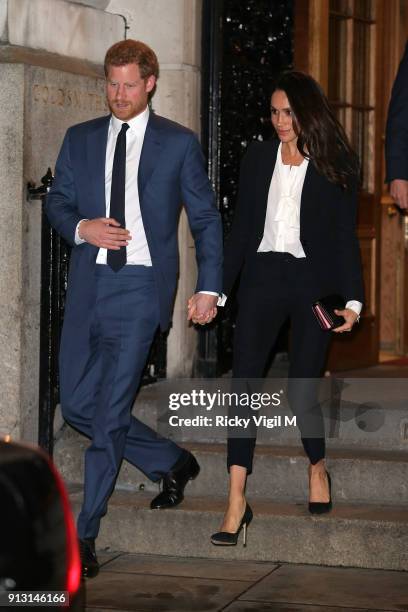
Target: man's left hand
x: 350, y: 318
x: 399, y: 192
x: 202, y: 308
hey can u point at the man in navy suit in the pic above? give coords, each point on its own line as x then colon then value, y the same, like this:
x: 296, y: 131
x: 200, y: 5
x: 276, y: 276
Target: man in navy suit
x: 116, y: 197
x: 396, y: 140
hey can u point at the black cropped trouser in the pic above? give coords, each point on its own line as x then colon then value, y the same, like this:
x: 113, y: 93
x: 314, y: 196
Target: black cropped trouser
x: 273, y: 288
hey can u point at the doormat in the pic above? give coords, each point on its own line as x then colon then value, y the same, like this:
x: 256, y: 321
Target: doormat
x: 400, y: 361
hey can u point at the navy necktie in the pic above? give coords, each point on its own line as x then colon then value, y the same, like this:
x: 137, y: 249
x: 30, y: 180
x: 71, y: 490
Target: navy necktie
x: 117, y: 259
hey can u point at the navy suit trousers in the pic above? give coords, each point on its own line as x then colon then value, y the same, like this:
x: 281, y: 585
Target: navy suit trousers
x: 125, y: 319
x: 275, y: 287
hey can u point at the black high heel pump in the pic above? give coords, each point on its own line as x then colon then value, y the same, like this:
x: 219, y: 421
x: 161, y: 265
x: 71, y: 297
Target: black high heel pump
x: 224, y: 538
x: 322, y: 507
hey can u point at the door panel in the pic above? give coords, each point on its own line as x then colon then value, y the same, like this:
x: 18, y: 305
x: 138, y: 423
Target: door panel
x: 352, y: 83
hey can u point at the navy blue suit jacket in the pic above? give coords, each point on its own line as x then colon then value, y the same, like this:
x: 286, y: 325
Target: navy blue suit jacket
x: 171, y: 172
x: 396, y: 137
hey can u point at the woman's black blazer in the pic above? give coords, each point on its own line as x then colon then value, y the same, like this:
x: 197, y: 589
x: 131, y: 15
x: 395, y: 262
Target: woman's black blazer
x: 327, y: 226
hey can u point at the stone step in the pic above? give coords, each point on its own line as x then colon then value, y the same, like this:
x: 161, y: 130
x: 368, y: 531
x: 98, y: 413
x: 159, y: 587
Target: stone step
x: 280, y: 473
x: 351, y: 535
x: 372, y: 413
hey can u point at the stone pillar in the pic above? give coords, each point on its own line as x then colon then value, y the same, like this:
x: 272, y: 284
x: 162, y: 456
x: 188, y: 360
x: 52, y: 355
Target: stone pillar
x: 11, y: 245
x: 173, y: 29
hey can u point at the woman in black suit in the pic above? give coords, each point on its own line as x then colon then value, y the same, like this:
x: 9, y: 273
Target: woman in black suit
x: 294, y: 240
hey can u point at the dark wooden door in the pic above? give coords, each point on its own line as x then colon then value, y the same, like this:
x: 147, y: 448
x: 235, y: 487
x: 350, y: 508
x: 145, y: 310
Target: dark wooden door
x: 340, y: 43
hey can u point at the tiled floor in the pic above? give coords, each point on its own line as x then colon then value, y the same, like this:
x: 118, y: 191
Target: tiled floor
x: 145, y: 583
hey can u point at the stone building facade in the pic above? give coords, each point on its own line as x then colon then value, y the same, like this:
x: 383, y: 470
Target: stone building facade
x: 51, y: 56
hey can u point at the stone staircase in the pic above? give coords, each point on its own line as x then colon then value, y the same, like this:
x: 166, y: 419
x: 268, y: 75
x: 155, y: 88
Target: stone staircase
x: 368, y: 526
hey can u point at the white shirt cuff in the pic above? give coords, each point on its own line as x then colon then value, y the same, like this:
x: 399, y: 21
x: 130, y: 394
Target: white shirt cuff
x: 79, y: 240
x: 222, y: 299
x: 356, y: 306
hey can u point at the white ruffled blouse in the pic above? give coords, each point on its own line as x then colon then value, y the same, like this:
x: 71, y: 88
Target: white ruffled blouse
x: 282, y: 222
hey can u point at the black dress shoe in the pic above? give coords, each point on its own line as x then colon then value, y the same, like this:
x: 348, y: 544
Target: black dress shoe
x: 322, y: 507
x: 225, y: 538
x: 186, y: 468
x: 90, y: 565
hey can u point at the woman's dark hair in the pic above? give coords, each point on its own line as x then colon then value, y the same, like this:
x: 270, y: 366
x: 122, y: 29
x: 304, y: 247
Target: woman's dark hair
x: 321, y: 138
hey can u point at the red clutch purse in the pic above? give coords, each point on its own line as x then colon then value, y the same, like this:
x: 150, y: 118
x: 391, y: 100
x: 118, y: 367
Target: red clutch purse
x: 324, y: 308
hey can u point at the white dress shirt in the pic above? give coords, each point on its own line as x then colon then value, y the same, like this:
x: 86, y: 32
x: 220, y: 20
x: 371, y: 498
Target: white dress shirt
x: 137, y: 251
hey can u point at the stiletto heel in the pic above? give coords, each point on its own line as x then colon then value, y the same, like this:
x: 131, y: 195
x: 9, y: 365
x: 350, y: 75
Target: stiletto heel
x: 224, y: 538
x: 322, y: 507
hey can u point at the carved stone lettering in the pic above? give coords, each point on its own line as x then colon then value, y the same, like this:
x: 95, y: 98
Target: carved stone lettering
x: 76, y: 98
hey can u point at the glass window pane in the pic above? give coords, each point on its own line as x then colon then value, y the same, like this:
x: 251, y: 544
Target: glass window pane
x: 362, y: 63
x: 364, y: 9
x: 362, y: 140
x: 340, y: 6
x: 351, y: 85
x: 337, y: 86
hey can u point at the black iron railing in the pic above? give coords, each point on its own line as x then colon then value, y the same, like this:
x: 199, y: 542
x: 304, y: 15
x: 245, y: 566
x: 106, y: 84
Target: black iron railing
x: 55, y: 254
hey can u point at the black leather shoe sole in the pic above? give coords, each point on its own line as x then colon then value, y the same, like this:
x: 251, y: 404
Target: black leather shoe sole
x: 90, y: 571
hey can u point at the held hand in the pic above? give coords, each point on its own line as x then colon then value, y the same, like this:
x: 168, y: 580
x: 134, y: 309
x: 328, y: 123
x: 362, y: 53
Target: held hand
x: 104, y: 233
x: 202, y: 308
x: 399, y: 192
x: 350, y: 318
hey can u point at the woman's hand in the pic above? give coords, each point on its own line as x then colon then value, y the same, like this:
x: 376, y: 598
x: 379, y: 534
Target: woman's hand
x: 350, y: 318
